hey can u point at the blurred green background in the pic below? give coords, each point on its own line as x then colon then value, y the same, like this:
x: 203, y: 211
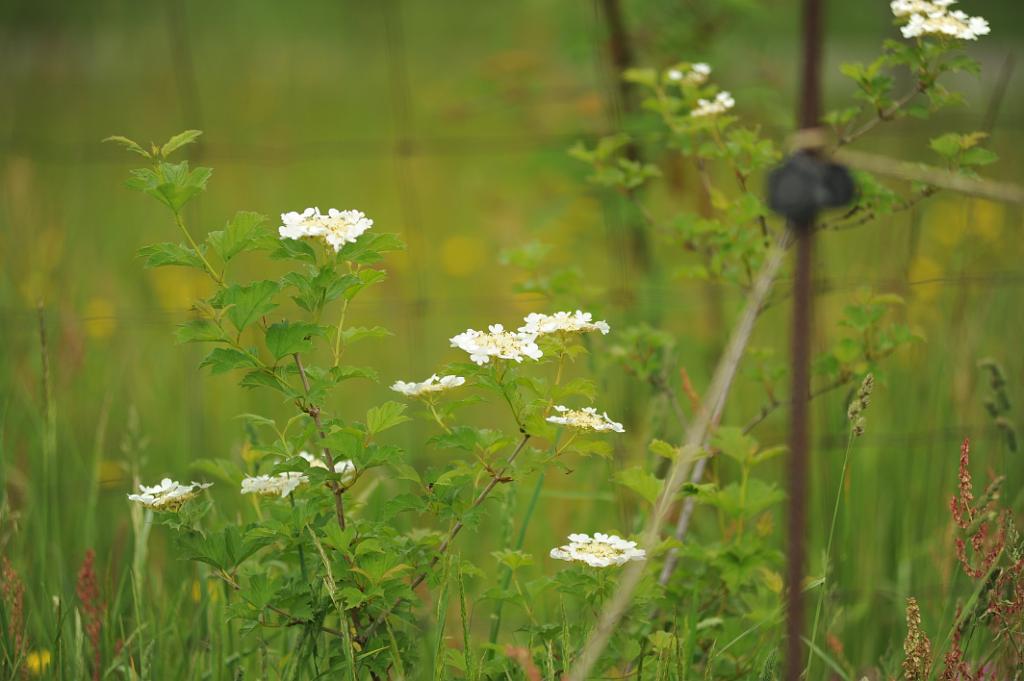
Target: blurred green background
x: 448, y: 122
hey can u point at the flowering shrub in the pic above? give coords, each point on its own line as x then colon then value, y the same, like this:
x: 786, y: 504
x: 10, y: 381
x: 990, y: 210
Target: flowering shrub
x: 314, y: 554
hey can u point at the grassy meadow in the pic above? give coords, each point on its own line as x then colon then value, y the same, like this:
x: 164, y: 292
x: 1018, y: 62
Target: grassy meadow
x: 449, y: 124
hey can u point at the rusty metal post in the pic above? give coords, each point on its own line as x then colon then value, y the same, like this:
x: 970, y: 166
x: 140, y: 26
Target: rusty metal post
x: 808, y: 116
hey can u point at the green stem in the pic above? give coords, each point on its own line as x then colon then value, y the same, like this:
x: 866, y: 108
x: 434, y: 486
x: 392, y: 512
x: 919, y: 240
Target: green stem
x: 828, y: 554
x: 437, y: 417
x: 337, y: 335
x: 520, y: 540
x: 192, y: 242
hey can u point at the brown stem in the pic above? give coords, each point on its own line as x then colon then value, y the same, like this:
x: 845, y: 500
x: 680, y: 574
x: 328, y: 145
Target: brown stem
x: 496, y: 478
x: 292, y: 620
x: 884, y: 115
x: 314, y: 413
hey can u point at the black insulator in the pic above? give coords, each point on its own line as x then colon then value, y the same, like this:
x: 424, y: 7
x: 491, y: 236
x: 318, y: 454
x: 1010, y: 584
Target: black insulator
x: 804, y: 184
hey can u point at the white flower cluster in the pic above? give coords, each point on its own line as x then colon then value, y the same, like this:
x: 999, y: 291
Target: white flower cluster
x: 585, y: 419
x: 431, y: 385
x: 337, y: 227
x: 601, y: 550
x: 696, y: 75
x: 722, y: 102
x: 169, y: 495
x: 345, y: 468
x: 497, y: 342
x: 934, y: 18
x: 567, y: 322
x: 280, y: 485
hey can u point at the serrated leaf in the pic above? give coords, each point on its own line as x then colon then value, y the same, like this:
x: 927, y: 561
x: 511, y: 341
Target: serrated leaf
x: 287, y: 338
x: 664, y: 449
x: 293, y: 249
x: 265, y: 378
x: 367, y: 248
x: 199, y: 331
x: 242, y: 233
x: 358, y: 333
x: 257, y: 420
x: 221, y: 360
x: 245, y: 304
x: 168, y: 254
x: 173, y: 184
x: 128, y: 144
x: 387, y: 415
x: 345, y: 372
x: 733, y: 443
x: 640, y: 481
x: 178, y: 141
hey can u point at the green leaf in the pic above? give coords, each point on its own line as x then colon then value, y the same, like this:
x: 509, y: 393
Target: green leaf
x: 664, y: 449
x: 978, y: 157
x: 358, y: 333
x: 242, y: 233
x: 512, y: 559
x: 733, y: 443
x: 947, y: 146
x: 128, y: 144
x: 221, y: 360
x: 245, y: 304
x: 648, y: 77
x: 367, y: 248
x: 345, y: 372
x: 387, y: 415
x: 267, y: 378
x: 178, y: 141
x: 293, y: 249
x: 640, y: 481
x: 200, y: 331
x: 366, y: 278
x: 168, y: 254
x: 173, y: 184
x: 257, y: 420
x: 287, y: 338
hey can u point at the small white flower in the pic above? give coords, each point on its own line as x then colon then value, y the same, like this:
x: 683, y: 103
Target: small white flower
x: 934, y: 18
x: 346, y: 468
x: 169, y: 495
x: 344, y: 227
x: 722, y: 102
x: 497, y: 342
x: 302, y: 225
x: 568, y: 322
x: 585, y: 419
x: 431, y: 385
x: 281, y: 484
x: 337, y: 227
x: 904, y: 8
x: 600, y: 551
x: 697, y: 74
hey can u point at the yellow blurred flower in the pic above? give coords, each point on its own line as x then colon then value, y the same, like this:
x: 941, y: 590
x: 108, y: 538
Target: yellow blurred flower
x: 176, y: 287
x: 953, y: 220
x: 98, y: 318
x: 461, y: 256
x: 922, y: 270
x: 37, y: 661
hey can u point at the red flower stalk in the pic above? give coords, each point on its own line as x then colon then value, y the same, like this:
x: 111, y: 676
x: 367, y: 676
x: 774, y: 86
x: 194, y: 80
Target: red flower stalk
x: 89, y: 596
x: 13, y: 592
x: 974, y: 520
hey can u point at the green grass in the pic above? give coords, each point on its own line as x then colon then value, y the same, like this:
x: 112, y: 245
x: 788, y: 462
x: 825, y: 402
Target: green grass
x: 301, y: 109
